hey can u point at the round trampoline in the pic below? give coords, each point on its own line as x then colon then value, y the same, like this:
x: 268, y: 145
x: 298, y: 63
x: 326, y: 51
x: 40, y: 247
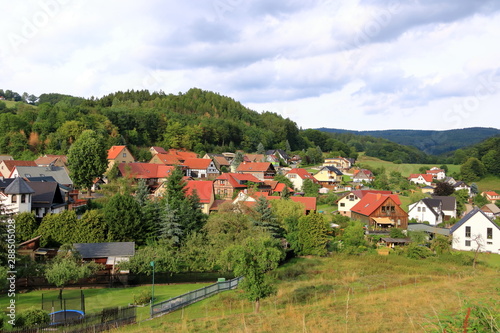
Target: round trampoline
x: 60, y: 317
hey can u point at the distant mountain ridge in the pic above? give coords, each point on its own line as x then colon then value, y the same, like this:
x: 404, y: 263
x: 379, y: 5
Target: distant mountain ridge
x: 429, y: 141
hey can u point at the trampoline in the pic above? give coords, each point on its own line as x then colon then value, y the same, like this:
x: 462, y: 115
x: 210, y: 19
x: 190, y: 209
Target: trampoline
x: 62, y: 316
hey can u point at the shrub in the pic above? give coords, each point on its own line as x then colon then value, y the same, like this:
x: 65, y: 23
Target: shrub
x: 417, y: 252
x: 144, y: 297
x: 33, y: 317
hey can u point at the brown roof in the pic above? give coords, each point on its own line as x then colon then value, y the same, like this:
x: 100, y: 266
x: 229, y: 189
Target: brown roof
x: 50, y: 159
x: 11, y: 164
x: 255, y: 166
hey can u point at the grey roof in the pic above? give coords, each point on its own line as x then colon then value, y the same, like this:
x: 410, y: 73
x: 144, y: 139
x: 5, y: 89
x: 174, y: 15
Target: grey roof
x: 18, y: 186
x: 333, y: 169
x: 395, y: 240
x: 47, y: 194
x: 103, y: 250
x: 58, y: 173
x: 449, y: 203
x: 469, y: 216
x: 428, y: 228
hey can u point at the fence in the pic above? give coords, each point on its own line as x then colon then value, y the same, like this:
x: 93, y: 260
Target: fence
x: 51, y: 302
x: 193, y: 296
x: 105, y: 320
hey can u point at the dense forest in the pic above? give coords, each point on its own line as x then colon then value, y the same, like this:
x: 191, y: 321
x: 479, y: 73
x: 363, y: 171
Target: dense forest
x: 198, y: 120
x: 428, y: 141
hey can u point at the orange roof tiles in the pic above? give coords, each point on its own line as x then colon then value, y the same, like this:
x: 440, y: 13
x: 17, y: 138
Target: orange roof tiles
x: 197, y: 163
x: 253, y: 166
x: 204, y: 189
x: 372, y: 201
x: 426, y: 177
x: 302, y: 173
x: 114, y: 151
x: 168, y: 159
x: 145, y: 170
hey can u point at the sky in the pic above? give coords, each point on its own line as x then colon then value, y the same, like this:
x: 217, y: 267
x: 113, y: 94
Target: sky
x: 350, y: 64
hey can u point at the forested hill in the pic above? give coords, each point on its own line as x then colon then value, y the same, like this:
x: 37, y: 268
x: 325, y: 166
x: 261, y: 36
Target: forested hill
x: 197, y: 120
x: 430, y: 142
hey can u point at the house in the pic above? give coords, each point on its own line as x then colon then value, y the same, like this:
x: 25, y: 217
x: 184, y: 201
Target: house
x: 328, y: 175
x: 154, y: 174
x: 427, y: 189
x: 119, y: 154
x: 157, y: 150
x: 166, y: 159
x: 295, y: 159
x: 427, y: 210
x: 204, y: 190
x: 275, y: 161
x: 392, y: 242
x: 254, y: 157
x: 460, y: 185
x: 350, y: 199
x: 108, y: 254
x: 228, y: 184
x: 436, y: 173
x: 476, y: 231
x: 491, y: 210
x: 48, y: 198
x: 298, y: 175
x: 450, y: 180
x: 279, y: 153
x: 181, y: 155
x: 380, y: 211
x: 6, y: 166
x: 260, y: 170
x: 423, y: 179
x: 492, y: 196
x: 220, y: 161
x: 339, y: 162
x: 54, y: 160
x: 449, y: 206
x: 17, y: 195
x: 277, y: 187
x: 60, y: 174
x: 200, y: 168
x: 362, y: 175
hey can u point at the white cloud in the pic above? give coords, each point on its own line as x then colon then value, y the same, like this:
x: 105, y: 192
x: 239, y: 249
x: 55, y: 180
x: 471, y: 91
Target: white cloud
x: 366, y: 64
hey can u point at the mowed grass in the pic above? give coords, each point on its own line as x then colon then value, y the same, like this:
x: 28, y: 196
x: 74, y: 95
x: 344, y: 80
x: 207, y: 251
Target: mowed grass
x: 404, y: 169
x: 368, y: 293
x: 99, y: 298
x: 489, y: 183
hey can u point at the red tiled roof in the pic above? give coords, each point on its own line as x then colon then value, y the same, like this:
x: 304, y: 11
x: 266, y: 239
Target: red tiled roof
x: 145, y: 170
x: 10, y: 164
x: 491, y: 193
x: 168, y: 159
x: 182, y: 155
x: 159, y: 150
x: 222, y: 160
x: 114, y: 151
x: 235, y: 179
x: 426, y: 177
x: 197, y: 163
x: 302, y: 173
x: 309, y: 202
x: 371, y: 201
x: 434, y: 171
x: 204, y: 189
x: 253, y: 166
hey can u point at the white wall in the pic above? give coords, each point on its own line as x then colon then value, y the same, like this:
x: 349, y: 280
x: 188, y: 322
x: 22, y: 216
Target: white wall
x: 478, y: 224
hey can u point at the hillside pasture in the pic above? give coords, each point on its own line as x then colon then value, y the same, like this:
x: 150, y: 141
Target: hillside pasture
x: 368, y: 293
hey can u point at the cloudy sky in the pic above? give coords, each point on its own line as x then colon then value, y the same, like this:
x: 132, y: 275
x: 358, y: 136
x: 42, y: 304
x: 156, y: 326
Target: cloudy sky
x: 352, y: 64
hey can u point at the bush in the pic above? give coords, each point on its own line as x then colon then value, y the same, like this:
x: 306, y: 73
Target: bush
x: 457, y: 258
x: 33, y: 317
x: 417, y: 252
x: 144, y: 297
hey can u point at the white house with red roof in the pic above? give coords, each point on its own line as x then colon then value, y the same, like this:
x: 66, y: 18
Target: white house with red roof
x: 420, y: 178
x: 298, y: 175
x: 492, y: 196
x: 200, y: 168
x: 119, y: 154
x: 437, y: 173
x: 349, y: 200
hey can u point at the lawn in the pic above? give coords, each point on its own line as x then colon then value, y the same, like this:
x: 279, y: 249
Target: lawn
x: 489, y: 183
x: 97, y: 299
x: 367, y: 293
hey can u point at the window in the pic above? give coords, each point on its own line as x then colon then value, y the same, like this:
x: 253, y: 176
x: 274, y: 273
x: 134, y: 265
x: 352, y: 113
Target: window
x: 467, y: 243
x: 14, y: 198
x: 467, y: 231
x: 124, y: 154
x: 23, y: 198
x: 489, y: 243
x: 423, y: 209
x: 342, y: 204
x: 489, y: 233
x: 419, y: 209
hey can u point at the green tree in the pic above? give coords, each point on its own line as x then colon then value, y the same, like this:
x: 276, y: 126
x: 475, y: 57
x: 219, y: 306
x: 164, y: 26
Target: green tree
x: 123, y: 218
x: 87, y: 159
x: 170, y: 229
x: 473, y: 169
x: 163, y: 254
x: 310, y: 188
x: 253, y: 259
x: 396, y: 233
x: 260, y: 148
x: 480, y: 200
x: 90, y: 228
x: 312, y: 234
x: 444, y: 189
x: 441, y: 244
x: 142, y: 192
x: 491, y: 161
x: 26, y: 226
x: 66, y: 267
x: 353, y: 236
x: 265, y: 218
x: 57, y: 229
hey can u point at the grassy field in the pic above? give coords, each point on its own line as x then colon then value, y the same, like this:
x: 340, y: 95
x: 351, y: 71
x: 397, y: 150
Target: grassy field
x: 368, y: 293
x: 404, y: 169
x: 97, y: 299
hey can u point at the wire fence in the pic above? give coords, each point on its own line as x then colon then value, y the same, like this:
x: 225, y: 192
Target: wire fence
x: 181, y: 301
